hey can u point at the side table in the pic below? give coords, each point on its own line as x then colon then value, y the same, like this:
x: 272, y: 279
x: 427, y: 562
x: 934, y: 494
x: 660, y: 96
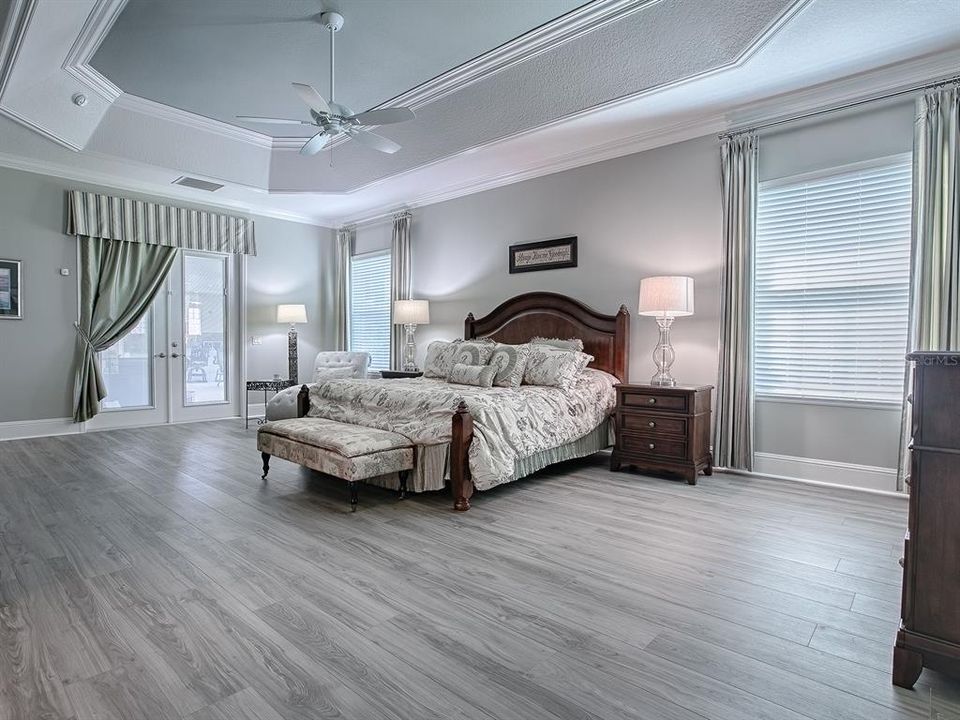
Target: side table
x: 266, y: 386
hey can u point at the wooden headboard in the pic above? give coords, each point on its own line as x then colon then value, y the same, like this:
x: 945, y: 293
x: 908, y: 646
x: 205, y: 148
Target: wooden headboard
x: 551, y: 315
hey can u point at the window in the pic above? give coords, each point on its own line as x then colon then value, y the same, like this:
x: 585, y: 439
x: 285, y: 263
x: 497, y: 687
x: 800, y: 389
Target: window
x: 369, y: 316
x: 831, y: 287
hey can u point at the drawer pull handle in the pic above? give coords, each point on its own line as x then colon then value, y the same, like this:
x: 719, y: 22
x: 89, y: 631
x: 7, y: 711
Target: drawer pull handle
x: 652, y: 446
x: 652, y: 401
x: 651, y: 424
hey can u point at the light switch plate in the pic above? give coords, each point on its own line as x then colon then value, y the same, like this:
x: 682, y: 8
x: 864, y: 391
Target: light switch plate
x: 256, y: 340
x: 65, y: 271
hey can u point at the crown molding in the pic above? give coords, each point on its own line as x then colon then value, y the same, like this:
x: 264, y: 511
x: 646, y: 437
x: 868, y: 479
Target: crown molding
x: 636, y: 143
x: 137, y: 104
x: 115, y: 181
x: 92, y: 34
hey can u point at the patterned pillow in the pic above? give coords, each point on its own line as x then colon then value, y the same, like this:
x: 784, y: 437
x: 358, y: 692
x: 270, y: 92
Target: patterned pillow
x: 439, y: 358
x: 479, y: 375
x: 571, y: 344
x: 553, y: 367
x: 510, y: 361
x: 473, y: 352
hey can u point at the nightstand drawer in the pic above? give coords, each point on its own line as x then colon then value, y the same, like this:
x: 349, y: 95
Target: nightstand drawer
x: 651, y: 401
x: 651, y: 423
x: 653, y: 446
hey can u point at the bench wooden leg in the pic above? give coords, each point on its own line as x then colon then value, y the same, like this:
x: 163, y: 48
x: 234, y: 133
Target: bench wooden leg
x: 266, y: 465
x: 354, y: 499
x: 403, y: 483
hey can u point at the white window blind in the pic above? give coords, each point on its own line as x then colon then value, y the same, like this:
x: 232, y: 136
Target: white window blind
x: 369, y: 317
x: 831, y: 285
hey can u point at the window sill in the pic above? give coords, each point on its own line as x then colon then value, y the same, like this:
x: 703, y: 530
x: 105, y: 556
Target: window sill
x: 831, y: 402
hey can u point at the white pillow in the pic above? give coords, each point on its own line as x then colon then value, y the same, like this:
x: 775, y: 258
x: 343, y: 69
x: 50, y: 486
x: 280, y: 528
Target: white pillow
x: 510, y: 362
x: 553, y: 367
x: 571, y: 344
x: 322, y: 374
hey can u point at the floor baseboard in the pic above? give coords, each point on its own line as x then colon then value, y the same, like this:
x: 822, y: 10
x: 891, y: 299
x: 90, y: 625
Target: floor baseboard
x: 827, y: 472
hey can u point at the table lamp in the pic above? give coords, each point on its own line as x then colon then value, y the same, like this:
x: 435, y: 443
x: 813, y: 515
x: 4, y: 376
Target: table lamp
x: 665, y: 298
x: 292, y: 314
x: 410, y: 313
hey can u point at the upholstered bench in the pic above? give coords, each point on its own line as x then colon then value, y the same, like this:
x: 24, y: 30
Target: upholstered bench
x: 349, y: 452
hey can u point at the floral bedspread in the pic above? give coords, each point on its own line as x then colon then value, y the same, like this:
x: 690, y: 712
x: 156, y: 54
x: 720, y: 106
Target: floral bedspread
x: 508, y: 423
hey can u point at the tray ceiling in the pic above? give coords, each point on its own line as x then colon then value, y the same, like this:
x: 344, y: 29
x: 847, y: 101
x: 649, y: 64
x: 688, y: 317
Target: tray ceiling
x: 162, y: 80
x: 240, y: 57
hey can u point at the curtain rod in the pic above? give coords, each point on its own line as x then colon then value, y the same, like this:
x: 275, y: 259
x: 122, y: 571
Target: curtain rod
x: 838, y: 108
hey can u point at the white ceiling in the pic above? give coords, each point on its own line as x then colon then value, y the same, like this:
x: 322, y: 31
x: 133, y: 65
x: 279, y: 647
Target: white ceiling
x: 241, y: 56
x: 614, y: 77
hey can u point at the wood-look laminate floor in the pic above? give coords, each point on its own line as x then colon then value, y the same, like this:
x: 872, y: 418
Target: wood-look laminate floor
x: 150, y: 574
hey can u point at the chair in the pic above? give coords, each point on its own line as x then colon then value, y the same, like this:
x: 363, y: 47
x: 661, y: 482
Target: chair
x: 326, y: 366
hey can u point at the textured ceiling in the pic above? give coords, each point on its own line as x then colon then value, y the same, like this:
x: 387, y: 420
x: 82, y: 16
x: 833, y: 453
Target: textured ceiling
x: 240, y: 56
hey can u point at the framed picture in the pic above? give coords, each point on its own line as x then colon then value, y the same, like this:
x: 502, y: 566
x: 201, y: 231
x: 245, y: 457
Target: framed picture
x: 544, y: 255
x: 11, y: 306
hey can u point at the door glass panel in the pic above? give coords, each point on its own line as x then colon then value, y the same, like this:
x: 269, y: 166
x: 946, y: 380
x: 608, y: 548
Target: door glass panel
x: 204, y: 329
x: 127, y: 368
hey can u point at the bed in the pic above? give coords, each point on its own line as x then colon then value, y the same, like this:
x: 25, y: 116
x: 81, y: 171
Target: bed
x: 477, y: 438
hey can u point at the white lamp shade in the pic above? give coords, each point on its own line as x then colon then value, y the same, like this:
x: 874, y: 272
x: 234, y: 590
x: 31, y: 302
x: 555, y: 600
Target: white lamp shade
x: 291, y: 313
x: 411, y: 312
x: 666, y: 296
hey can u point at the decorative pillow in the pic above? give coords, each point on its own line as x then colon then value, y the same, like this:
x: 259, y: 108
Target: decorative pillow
x: 439, y: 358
x: 554, y: 367
x: 473, y: 352
x: 571, y: 344
x: 323, y: 374
x: 510, y: 361
x: 479, y: 375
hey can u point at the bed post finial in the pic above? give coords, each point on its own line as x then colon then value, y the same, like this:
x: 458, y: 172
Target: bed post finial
x: 462, y: 433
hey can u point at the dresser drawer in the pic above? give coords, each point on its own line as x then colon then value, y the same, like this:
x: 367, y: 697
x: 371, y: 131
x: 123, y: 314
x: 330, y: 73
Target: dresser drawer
x: 671, y: 449
x: 654, y: 402
x: 653, y: 424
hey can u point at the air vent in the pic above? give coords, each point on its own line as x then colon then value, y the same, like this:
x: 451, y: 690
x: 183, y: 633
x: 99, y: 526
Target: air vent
x: 197, y: 183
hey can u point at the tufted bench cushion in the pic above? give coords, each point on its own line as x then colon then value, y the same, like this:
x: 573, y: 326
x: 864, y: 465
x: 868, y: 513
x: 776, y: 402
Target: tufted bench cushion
x: 349, y: 452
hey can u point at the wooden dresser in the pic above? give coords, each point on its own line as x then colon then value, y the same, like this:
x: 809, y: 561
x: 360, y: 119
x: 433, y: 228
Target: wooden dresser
x: 930, y: 606
x: 663, y: 429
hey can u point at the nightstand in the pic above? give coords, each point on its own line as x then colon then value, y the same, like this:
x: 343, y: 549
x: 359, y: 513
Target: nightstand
x: 663, y: 429
x: 393, y: 374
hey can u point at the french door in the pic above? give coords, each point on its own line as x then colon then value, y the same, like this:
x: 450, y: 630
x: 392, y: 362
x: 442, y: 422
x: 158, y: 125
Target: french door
x: 182, y: 361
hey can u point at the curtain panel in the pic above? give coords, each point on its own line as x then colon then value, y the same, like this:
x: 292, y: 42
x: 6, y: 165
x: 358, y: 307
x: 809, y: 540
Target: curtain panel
x: 118, y: 281
x: 341, y: 280
x: 124, y: 219
x: 935, y: 279
x: 401, y: 280
x: 733, y: 431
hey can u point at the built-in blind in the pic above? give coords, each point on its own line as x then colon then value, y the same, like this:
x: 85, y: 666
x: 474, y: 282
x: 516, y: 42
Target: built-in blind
x: 369, y: 317
x: 832, y: 282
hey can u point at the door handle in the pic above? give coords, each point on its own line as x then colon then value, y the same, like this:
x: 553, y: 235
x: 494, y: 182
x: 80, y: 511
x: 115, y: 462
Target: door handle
x: 174, y: 355
x: 160, y: 355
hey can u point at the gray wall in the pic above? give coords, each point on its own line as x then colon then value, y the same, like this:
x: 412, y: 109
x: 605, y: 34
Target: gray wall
x: 37, y: 353
x: 655, y: 213
x: 865, y: 435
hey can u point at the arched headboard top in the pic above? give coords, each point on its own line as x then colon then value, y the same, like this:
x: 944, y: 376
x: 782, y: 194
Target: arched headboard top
x: 552, y: 315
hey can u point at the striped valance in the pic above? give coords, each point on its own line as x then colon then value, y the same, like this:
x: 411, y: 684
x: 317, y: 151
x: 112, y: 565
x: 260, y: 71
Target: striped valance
x: 116, y: 218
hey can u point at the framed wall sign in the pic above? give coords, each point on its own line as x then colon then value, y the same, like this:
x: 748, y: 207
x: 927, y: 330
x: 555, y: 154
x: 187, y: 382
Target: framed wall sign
x: 543, y: 255
x: 11, y: 306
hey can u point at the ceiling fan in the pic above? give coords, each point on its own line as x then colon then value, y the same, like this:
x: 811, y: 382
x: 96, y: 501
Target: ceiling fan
x: 335, y: 119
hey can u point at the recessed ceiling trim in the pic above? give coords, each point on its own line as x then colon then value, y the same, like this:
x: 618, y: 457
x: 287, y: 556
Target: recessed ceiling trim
x: 92, y: 34
x: 539, y: 40
x: 144, y: 106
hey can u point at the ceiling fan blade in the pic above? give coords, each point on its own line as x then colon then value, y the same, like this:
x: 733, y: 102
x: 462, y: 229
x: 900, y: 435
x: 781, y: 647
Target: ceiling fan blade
x: 372, y: 140
x: 276, y: 121
x: 312, y: 98
x: 385, y: 116
x: 315, y: 144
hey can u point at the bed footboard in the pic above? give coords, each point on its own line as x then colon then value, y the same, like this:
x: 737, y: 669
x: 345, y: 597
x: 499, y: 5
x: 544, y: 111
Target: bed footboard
x: 460, y: 481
